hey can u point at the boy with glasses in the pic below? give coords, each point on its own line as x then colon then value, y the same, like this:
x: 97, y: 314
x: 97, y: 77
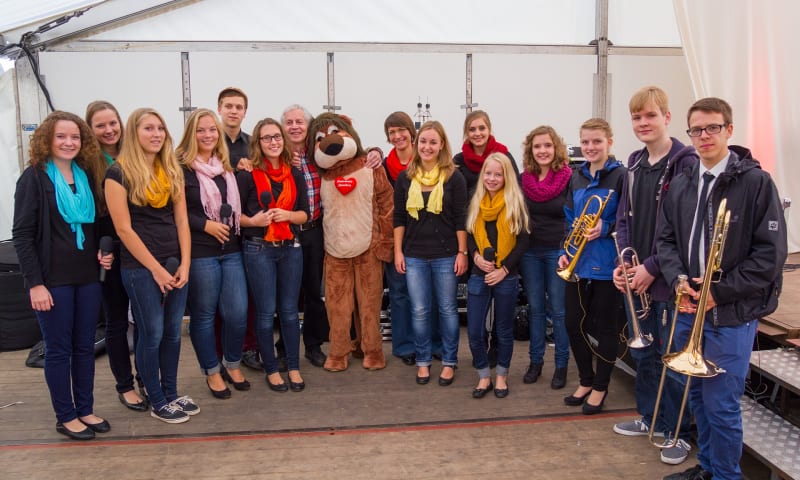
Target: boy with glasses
x: 744, y: 289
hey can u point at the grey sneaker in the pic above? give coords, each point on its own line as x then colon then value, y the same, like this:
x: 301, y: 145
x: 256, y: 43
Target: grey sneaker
x: 186, y: 405
x: 169, y: 413
x: 675, y: 455
x: 634, y: 428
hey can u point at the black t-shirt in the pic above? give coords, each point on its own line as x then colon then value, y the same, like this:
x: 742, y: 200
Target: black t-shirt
x: 68, y: 265
x: 548, y: 221
x: 203, y: 244
x: 155, y: 227
x: 645, y: 205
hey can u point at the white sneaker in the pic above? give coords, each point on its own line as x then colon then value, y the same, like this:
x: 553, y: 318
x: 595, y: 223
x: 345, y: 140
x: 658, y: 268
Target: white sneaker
x: 186, y: 405
x: 677, y: 454
x: 634, y: 428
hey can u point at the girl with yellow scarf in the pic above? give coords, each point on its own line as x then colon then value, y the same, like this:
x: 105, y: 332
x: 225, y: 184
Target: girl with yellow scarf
x: 497, y: 222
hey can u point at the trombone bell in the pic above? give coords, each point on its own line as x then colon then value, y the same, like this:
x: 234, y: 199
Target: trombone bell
x: 692, y: 364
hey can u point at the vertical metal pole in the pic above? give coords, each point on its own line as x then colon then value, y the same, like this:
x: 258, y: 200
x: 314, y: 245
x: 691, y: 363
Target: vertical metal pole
x: 186, y: 87
x: 331, y: 106
x: 601, y: 76
x: 469, y: 105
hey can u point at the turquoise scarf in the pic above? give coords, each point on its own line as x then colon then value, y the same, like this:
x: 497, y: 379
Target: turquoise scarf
x: 75, y: 208
x: 109, y: 158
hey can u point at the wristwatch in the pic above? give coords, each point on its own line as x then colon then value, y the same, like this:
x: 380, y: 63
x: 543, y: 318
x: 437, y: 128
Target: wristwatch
x: 465, y: 253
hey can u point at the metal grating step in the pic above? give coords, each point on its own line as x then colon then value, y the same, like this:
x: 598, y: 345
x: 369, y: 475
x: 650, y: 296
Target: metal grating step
x: 781, y: 365
x: 769, y: 437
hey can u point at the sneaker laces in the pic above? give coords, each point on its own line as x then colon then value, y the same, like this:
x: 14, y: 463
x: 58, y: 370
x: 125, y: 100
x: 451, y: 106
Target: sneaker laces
x: 681, y: 444
x: 170, y: 408
x: 181, y: 401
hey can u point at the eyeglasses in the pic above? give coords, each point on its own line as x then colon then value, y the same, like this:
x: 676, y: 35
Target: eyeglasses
x: 271, y: 138
x: 712, y: 129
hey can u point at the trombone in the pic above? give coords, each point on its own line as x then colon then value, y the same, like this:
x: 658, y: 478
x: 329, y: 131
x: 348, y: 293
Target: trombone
x: 638, y: 339
x: 573, y: 245
x: 690, y: 361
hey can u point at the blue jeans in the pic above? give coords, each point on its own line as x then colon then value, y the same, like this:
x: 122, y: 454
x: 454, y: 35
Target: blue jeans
x: 217, y: 284
x: 649, y: 368
x: 715, y: 401
x: 430, y: 279
x: 538, y: 269
x: 505, y: 301
x: 68, y: 332
x: 158, y: 347
x: 400, y: 316
x: 274, y: 275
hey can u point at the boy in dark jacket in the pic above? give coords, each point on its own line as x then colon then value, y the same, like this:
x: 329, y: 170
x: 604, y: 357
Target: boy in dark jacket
x: 745, y: 288
x: 650, y: 172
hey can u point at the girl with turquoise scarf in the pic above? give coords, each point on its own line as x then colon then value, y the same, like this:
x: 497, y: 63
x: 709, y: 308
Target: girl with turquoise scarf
x: 54, y: 234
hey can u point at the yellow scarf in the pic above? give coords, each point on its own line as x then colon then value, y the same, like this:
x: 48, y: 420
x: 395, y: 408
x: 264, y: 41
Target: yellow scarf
x: 494, y: 209
x: 158, y: 191
x: 414, y: 203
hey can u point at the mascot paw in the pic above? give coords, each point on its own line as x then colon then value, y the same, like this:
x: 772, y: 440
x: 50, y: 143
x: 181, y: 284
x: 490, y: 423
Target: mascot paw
x: 374, y: 361
x: 335, y: 364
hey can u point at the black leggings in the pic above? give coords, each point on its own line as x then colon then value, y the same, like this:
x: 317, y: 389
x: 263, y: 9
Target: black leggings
x: 593, y: 307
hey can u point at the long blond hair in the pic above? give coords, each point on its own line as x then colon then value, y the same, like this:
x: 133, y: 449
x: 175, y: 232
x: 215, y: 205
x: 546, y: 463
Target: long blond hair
x: 137, y: 172
x: 445, y: 159
x: 187, y: 150
x: 516, y: 212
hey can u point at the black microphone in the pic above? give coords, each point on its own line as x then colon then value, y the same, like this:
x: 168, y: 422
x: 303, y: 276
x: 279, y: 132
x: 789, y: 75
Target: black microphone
x: 171, y: 266
x: 266, y: 198
x: 225, y: 212
x: 106, y: 245
x: 489, y: 254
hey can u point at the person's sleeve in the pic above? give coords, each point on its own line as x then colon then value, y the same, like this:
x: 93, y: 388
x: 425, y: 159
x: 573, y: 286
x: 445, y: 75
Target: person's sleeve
x: 25, y: 228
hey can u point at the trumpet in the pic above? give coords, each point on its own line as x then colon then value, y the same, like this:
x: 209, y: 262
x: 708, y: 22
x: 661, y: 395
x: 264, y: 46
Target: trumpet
x: 638, y: 339
x: 573, y: 245
x: 690, y: 361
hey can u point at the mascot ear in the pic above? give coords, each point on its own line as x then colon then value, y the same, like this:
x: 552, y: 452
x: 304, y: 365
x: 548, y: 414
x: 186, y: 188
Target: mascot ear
x: 346, y: 120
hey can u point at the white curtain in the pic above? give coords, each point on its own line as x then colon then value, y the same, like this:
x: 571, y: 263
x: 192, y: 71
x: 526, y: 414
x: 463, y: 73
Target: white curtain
x: 745, y: 52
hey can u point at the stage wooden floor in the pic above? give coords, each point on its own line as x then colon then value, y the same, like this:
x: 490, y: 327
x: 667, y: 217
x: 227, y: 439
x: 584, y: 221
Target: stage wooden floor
x: 355, y: 424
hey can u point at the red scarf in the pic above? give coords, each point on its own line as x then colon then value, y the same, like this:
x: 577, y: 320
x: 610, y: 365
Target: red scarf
x: 473, y: 161
x: 276, y: 231
x: 393, y: 165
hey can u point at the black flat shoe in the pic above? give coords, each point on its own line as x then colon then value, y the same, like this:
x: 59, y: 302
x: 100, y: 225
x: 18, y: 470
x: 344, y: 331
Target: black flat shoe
x: 141, y: 406
x: 501, y: 392
x: 589, y: 409
x: 85, y: 434
x: 100, y: 427
x: 559, y: 380
x: 221, y: 394
x: 277, y: 387
x: 316, y: 357
x: 443, y: 382
x: 241, y: 386
x: 410, y: 359
x: 423, y: 380
x: 481, y: 392
x: 574, y: 401
x: 297, y: 386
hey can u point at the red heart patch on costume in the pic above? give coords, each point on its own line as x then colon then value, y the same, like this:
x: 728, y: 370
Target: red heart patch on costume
x: 345, y: 185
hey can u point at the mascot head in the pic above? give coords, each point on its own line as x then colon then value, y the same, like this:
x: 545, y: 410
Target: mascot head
x: 332, y: 140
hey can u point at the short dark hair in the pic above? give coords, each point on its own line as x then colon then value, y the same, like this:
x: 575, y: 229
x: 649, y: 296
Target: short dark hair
x: 399, y: 120
x: 712, y: 105
x: 231, y: 92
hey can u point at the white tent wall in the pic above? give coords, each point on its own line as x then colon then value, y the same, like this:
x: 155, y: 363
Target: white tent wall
x: 744, y: 52
x: 9, y: 154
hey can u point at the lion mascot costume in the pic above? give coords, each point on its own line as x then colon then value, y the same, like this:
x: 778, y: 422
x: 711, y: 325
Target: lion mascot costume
x: 358, y: 204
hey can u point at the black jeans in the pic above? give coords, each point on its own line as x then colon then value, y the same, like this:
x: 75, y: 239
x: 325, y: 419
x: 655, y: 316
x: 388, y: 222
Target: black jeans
x: 315, y: 317
x: 593, y: 307
x: 115, y: 311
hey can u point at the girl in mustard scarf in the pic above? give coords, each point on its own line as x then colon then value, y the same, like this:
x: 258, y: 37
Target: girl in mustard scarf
x: 497, y: 222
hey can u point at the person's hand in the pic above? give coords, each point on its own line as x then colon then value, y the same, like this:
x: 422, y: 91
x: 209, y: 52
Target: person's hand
x: 41, y: 300
x: 163, y: 279
x: 220, y: 231
x: 400, y: 263
x: 280, y: 215
x: 495, y: 277
x: 181, y: 277
x: 483, y: 264
x: 619, y: 279
x: 594, y: 232
x: 640, y: 279
x: 105, y: 260
x: 689, y: 294
x: 461, y: 265
x: 296, y: 159
x: 261, y: 219
x: 245, y: 164
x: 562, y: 262
x: 374, y: 160
x: 710, y: 302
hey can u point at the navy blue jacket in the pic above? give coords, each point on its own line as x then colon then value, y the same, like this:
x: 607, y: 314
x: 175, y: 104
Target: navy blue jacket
x: 755, y: 248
